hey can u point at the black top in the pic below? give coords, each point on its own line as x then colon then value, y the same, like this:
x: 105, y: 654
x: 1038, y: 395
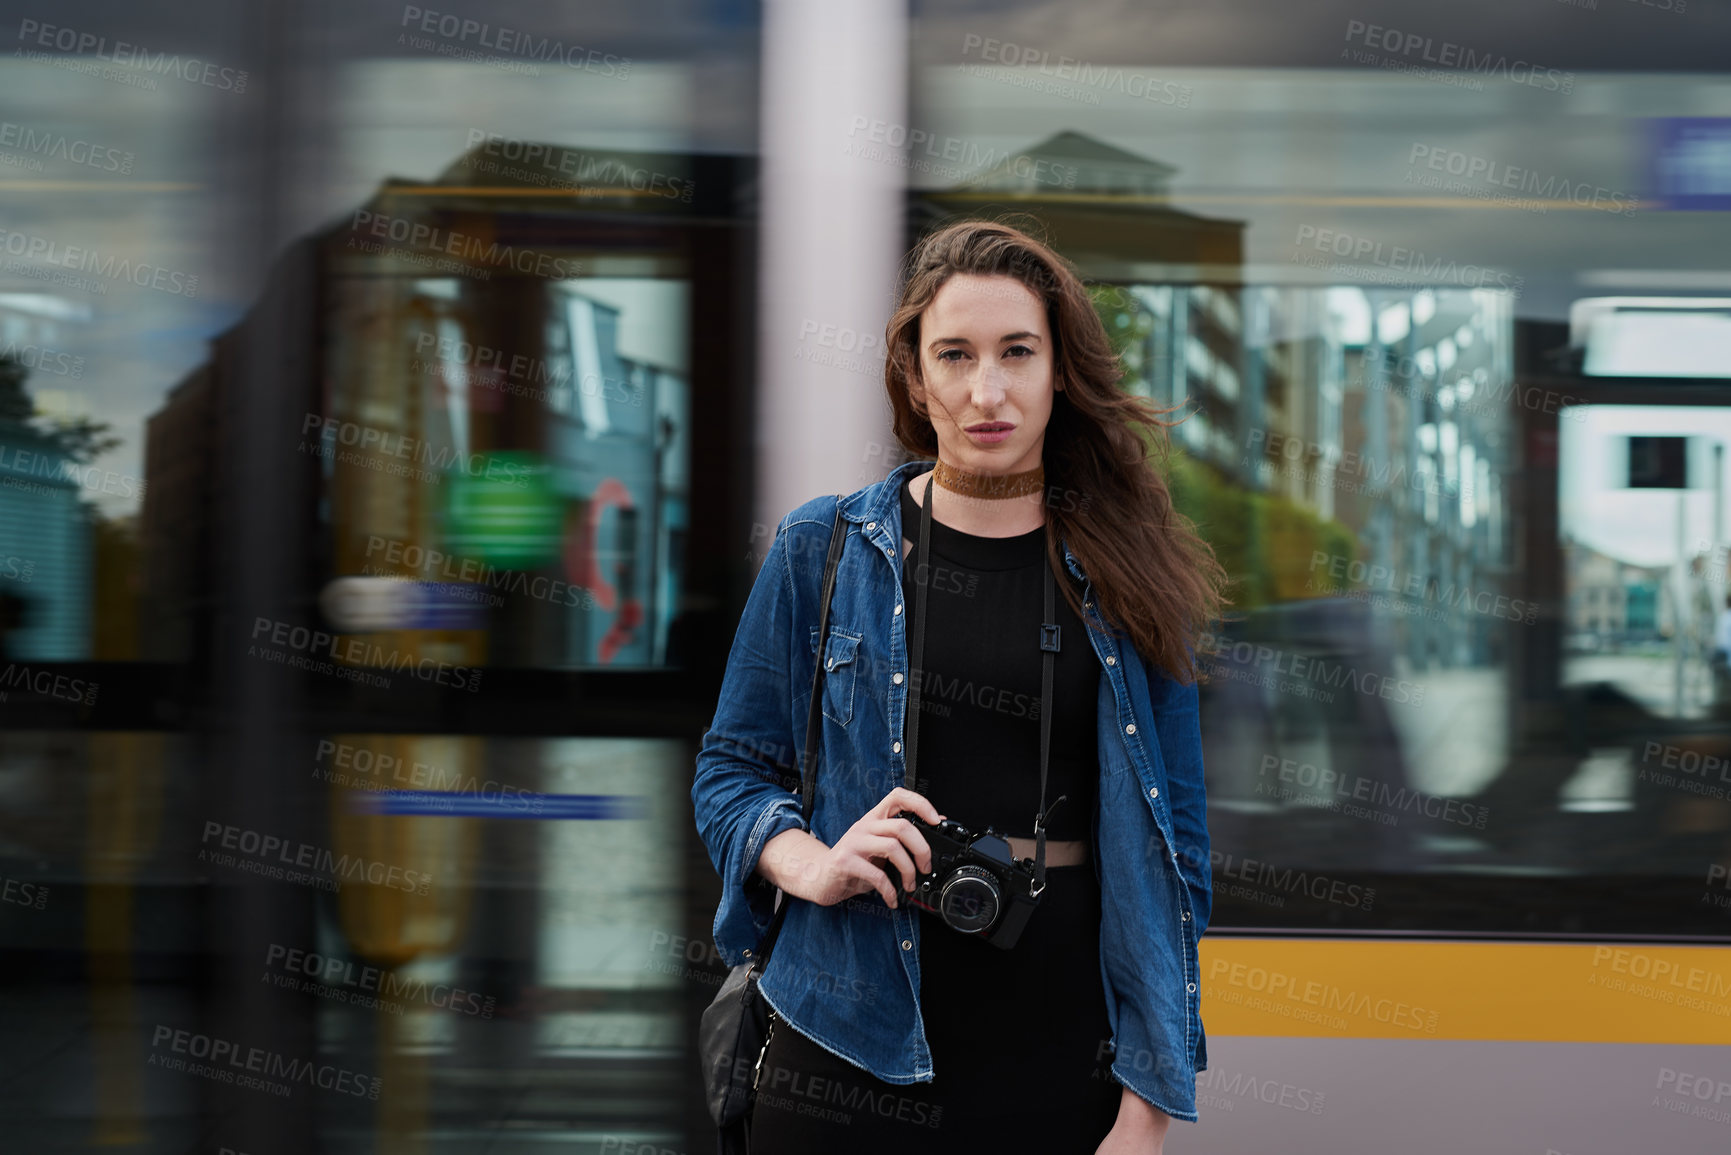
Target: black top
x: 979, y: 753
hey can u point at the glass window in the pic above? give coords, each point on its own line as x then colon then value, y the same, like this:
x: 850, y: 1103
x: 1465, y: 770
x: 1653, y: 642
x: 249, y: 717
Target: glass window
x: 350, y: 358
x: 1395, y: 285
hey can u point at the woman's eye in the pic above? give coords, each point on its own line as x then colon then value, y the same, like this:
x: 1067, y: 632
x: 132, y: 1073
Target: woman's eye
x: 944, y: 355
x: 1019, y: 348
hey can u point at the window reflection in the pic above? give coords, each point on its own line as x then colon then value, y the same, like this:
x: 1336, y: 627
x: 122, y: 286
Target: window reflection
x: 1375, y: 384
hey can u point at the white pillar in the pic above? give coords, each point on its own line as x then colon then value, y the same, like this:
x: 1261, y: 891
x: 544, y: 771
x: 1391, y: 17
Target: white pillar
x: 831, y: 226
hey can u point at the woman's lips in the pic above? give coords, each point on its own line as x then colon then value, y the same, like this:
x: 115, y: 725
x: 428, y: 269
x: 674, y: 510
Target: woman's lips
x: 989, y: 432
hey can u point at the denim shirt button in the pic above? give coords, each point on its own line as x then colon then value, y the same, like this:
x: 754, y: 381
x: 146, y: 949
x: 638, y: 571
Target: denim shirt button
x: 898, y: 608
x: 1130, y: 729
x: 747, y: 954
x: 896, y: 678
x: 871, y: 525
x: 1191, y: 988
x: 1153, y: 791
x: 895, y: 747
x: 908, y: 944
x: 892, y: 551
x: 1186, y: 916
x: 1110, y: 660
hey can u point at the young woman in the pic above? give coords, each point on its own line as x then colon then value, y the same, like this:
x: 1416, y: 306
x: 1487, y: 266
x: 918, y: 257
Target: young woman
x: 892, y: 1029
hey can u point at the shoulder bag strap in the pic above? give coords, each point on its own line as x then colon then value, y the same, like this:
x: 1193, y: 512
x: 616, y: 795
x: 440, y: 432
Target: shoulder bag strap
x: 917, y: 650
x: 814, y: 715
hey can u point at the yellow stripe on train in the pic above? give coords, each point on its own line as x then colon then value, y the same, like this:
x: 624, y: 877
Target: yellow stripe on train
x: 1558, y: 992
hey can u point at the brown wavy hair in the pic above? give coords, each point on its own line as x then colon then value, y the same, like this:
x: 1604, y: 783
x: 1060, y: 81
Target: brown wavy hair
x: 1153, y: 574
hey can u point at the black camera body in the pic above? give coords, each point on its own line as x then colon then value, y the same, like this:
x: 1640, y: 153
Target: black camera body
x: 975, y: 885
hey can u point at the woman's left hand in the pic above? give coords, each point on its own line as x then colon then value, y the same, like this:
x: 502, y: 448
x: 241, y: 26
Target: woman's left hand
x: 1139, y: 1130
x: 1122, y: 1141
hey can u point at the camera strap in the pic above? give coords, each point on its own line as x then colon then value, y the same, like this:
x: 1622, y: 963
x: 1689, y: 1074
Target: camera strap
x: 1048, y: 650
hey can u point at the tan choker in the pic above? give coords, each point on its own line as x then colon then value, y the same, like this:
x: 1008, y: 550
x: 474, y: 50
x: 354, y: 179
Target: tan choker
x: 989, y: 485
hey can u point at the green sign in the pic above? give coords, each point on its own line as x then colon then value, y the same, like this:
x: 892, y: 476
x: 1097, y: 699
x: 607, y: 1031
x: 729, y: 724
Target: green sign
x: 501, y: 509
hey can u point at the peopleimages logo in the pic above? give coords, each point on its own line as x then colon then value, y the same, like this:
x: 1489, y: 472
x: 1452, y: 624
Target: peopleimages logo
x: 43, y: 359
x: 72, y: 42
x: 354, y: 656
x: 431, y: 563
x: 364, y: 768
x: 1412, y: 264
x: 553, y: 166
x: 427, y: 238
x: 1305, y: 668
x: 1402, y: 373
x: 59, y: 146
x: 253, y: 1061
x: 1494, y: 172
x: 327, y: 433
x: 1681, y: 1086
x: 57, y: 469
x: 1658, y: 758
x: 1270, y: 1091
x: 109, y: 267
x: 31, y: 894
x: 482, y: 369
x: 46, y: 684
x: 367, y: 986
x: 513, y: 42
x: 1079, y: 73
x: 885, y: 140
x: 292, y: 853
x: 786, y: 1089
x: 1387, y: 474
x: 1258, y: 873
x: 1456, y: 56
x: 1289, y: 995
x: 1319, y: 785
x: 1642, y: 965
x: 1341, y: 568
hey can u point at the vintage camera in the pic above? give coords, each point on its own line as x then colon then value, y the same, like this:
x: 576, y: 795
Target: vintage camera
x: 976, y: 885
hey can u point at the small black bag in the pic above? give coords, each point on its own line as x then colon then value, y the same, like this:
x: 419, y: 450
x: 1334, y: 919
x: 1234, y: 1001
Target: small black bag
x: 731, y: 1036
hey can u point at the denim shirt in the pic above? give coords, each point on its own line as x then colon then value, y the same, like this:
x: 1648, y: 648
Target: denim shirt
x: 847, y: 975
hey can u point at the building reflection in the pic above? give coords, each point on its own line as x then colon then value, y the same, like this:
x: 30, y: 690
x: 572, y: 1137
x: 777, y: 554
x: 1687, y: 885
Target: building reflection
x: 500, y: 402
x: 483, y: 434
x: 1345, y: 450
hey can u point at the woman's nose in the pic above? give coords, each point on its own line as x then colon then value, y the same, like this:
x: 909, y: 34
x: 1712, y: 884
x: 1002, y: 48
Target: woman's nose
x: 989, y: 383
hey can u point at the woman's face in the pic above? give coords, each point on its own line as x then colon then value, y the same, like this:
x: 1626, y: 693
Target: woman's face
x: 985, y: 373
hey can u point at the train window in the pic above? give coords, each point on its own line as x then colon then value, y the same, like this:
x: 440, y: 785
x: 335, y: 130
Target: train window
x: 1353, y: 273
x: 1653, y: 337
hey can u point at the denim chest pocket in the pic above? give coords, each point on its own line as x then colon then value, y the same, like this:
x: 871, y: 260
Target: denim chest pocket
x: 840, y: 671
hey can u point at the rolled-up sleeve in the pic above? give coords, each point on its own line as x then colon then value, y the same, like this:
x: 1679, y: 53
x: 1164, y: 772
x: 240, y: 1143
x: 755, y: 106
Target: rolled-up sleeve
x: 740, y: 792
x: 1177, y: 721
x: 1148, y: 956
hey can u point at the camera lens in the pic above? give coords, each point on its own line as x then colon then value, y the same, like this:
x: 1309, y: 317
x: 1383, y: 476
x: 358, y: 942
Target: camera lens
x: 969, y: 900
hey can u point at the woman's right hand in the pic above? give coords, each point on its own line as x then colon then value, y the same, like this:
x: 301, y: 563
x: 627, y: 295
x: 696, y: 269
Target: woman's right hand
x: 859, y: 859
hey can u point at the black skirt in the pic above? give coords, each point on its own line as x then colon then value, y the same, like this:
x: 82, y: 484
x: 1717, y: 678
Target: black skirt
x: 1018, y: 1041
